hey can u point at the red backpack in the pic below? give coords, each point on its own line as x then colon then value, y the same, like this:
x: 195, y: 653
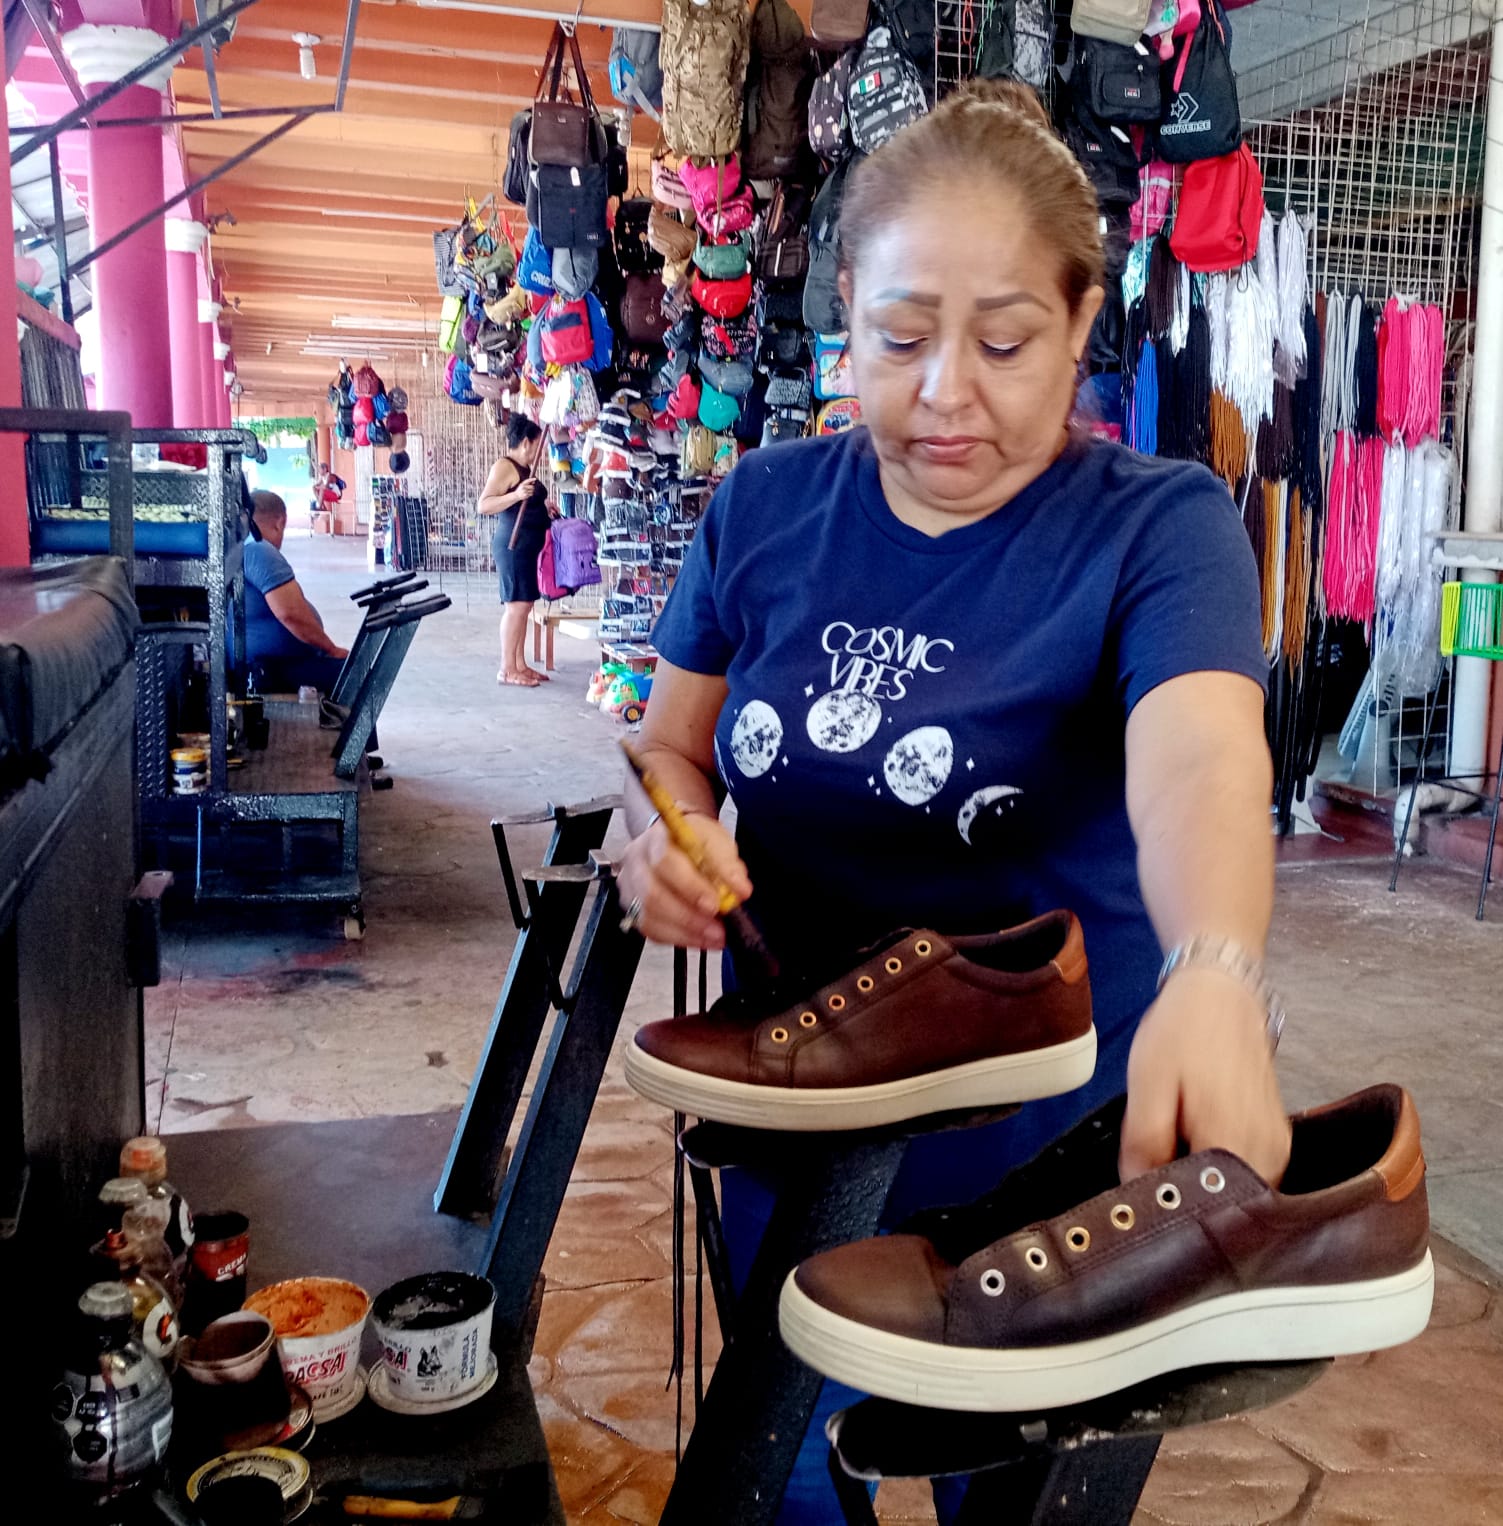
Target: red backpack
x: 567, y: 340
x: 1220, y: 212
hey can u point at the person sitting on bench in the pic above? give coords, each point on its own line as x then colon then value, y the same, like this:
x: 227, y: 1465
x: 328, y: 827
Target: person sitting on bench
x: 285, y: 640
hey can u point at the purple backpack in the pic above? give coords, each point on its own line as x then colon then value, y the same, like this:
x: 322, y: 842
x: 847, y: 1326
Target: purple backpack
x: 567, y: 561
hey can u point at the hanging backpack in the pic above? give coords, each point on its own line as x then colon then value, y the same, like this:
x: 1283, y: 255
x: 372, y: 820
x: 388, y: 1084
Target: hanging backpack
x: 574, y: 271
x: 566, y: 334
x: 564, y: 131
x: 367, y: 383
x: 837, y: 23
x: 911, y: 23
x: 602, y: 339
x: 1220, y: 212
x: 783, y: 243
x: 571, y: 553
x: 445, y: 244
x: 1120, y: 84
x: 829, y: 121
x: 723, y: 299
x: 450, y: 321
x: 885, y: 94
x: 723, y: 259
x: 1105, y: 152
x: 518, y: 158
x: 642, y: 318
x: 567, y: 205
x: 1119, y: 21
x: 635, y: 254
x: 704, y: 53
x: 777, y: 92
x: 1033, y: 42
x: 456, y: 384
x: 636, y: 74
x: 824, y: 311
x: 832, y: 367
x: 1202, y: 120
x: 670, y: 239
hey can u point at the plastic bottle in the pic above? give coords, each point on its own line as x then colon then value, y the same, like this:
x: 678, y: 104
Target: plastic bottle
x: 145, y: 1237
x: 153, y: 1313
x: 112, y: 1407
x: 116, y: 1197
x: 145, y: 1158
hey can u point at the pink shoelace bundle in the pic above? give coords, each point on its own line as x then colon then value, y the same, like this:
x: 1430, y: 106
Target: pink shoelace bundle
x: 1411, y: 358
x: 1354, y: 512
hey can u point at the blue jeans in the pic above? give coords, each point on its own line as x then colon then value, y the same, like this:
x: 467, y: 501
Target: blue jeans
x: 938, y: 1169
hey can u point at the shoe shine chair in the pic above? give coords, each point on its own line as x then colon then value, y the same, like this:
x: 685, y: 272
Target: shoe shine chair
x: 1069, y: 1467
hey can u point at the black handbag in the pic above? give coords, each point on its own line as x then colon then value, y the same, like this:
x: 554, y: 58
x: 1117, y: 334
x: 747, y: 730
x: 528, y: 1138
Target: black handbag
x: 570, y: 202
x: 1202, y: 120
x: 1120, y: 84
x: 563, y: 131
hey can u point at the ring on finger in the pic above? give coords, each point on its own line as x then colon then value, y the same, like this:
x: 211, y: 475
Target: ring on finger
x: 632, y: 915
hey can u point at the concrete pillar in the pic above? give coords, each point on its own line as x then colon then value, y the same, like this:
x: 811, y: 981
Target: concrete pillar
x: 125, y: 183
x: 184, y: 240
x: 208, y: 332
x: 1470, y: 753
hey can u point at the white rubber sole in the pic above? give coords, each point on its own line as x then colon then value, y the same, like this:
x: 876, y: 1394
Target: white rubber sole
x: 982, y: 1083
x: 1266, y: 1325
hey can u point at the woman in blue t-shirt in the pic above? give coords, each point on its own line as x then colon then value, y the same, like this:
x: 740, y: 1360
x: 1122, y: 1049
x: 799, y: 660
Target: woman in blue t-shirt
x: 965, y: 665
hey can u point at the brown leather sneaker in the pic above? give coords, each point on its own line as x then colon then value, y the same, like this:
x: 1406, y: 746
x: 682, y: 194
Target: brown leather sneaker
x: 925, y: 1025
x: 1199, y: 1262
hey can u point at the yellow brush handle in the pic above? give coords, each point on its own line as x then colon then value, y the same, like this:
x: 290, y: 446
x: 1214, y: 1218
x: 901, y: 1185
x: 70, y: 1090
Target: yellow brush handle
x: 680, y: 833
x: 373, y: 1508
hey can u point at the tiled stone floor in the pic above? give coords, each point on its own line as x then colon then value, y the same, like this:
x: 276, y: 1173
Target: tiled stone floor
x: 271, y: 1018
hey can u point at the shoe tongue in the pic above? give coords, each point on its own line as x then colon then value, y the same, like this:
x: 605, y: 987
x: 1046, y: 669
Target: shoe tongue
x: 767, y: 998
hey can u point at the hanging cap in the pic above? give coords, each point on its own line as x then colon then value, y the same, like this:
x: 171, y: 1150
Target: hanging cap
x: 145, y: 1157
x: 107, y: 1300
x: 123, y: 1191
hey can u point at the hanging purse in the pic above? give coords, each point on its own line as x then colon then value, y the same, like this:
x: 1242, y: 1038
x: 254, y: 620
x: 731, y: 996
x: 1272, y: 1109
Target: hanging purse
x: 564, y: 131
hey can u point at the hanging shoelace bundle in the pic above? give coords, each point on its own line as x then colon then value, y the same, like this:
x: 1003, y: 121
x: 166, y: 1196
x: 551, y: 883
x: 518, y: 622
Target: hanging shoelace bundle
x: 1143, y: 411
x: 1249, y: 352
x: 1275, y: 499
x: 1388, y: 569
x: 1273, y: 455
x: 1365, y: 369
x: 1411, y: 360
x: 1163, y: 286
x: 1296, y: 580
x: 1292, y: 296
x: 1185, y: 402
x: 1339, y: 387
x: 1406, y: 647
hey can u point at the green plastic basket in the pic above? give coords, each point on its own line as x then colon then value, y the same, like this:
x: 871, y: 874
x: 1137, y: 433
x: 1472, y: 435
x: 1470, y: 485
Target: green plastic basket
x: 1471, y: 620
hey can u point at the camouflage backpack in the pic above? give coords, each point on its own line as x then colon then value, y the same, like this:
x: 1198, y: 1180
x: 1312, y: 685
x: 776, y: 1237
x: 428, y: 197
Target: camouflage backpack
x: 886, y: 93
x: 704, y: 54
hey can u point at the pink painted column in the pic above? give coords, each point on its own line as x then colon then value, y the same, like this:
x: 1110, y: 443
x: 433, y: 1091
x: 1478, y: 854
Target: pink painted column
x: 184, y: 239
x: 208, y: 334
x: 222, y: 382
x: 125, y: 182
x: 15, y: 539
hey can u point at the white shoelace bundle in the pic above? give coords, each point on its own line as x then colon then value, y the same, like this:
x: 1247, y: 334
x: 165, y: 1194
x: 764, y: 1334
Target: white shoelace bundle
x: 1293, y: 294
x: 1406, y: 645
x: 1249, y: 353
x: 1216, y: 319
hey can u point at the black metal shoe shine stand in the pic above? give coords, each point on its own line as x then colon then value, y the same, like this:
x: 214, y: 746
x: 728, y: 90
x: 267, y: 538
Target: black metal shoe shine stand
x: 1087, y: 1464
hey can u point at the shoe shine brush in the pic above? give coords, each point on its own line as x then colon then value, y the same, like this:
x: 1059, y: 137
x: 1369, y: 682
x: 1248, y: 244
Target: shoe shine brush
x: 740, y: 926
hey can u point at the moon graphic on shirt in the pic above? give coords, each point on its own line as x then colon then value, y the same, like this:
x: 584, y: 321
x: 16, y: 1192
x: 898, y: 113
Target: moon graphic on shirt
x: 917, y: 765
x: 755, y: 738
x: 842, y: 722
x: 990, y: 805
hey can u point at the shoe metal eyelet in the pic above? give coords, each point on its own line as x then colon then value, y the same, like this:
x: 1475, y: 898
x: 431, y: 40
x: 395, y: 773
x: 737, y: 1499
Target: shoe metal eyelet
x: 1036, y: 1258
x: 1123, y: 1217
x: 807, y: 1019
x: 1212, y: 1180
x: 893, y: 966
x: 779, y: 1035
x: 837, y: 1003
x: 993, y: 1283
x: 923, y: 948
x: 1168, y: 1195
x: 1078, y: 1238
x: 865, y: 983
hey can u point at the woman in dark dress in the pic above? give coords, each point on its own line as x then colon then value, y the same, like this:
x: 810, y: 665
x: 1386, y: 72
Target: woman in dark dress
x: 513, y: 491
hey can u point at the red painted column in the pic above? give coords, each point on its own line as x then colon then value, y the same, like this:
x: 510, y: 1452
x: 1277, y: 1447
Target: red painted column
x: 125, y: 182
x: 184, y: 239
x: 15, y: 546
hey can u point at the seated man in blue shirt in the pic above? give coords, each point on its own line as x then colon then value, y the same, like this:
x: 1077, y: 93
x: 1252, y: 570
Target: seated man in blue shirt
x: 285, y: 639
